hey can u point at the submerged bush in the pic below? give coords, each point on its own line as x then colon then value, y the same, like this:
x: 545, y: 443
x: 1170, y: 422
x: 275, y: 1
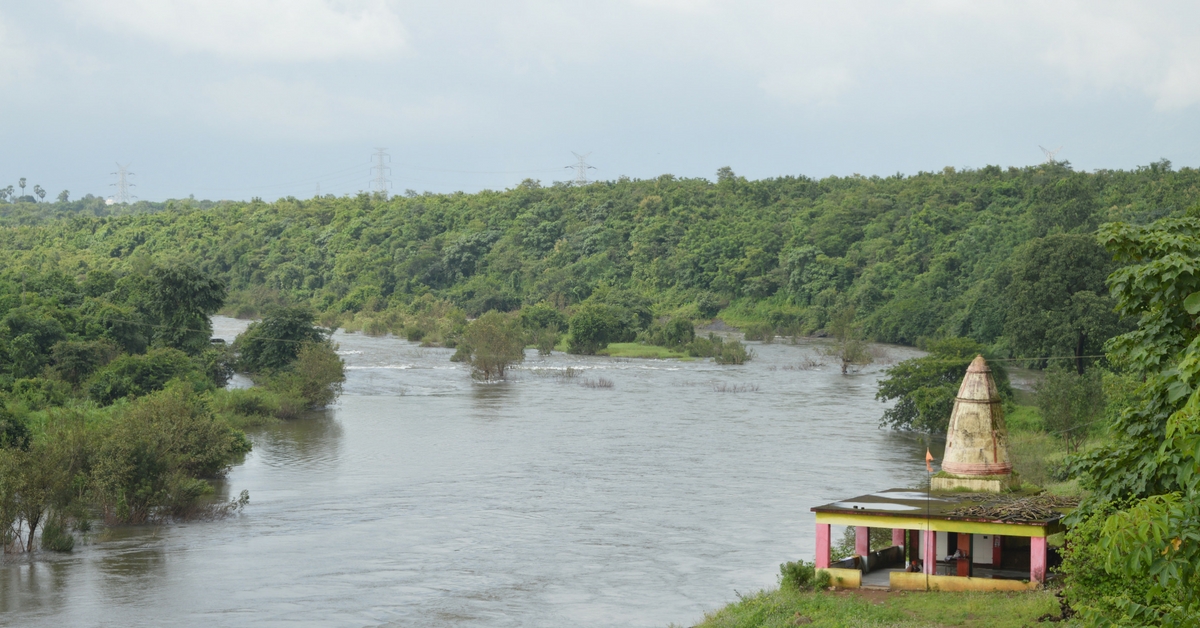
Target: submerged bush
x: 720, y: 350
x: 152, y: 461
x: 491, y: 344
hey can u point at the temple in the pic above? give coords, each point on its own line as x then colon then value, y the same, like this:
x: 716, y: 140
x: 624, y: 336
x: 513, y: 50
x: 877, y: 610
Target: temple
x: 973, y: 529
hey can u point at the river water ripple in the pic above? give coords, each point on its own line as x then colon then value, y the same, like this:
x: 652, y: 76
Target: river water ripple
x: 425, y: 499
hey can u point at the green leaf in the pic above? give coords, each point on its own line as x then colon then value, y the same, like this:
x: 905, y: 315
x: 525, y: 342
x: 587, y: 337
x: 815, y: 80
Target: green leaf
x: 1192, y: 303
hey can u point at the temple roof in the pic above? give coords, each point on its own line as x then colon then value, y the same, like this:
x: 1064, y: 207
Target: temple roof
x: 1016, y: 508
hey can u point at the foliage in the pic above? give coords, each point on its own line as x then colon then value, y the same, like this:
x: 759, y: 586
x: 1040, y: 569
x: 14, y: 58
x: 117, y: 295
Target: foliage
x: 925, y: 388
x: 151, y: 462
x: 720, y: 350
x: 786, y: 608
x: 595, y: 325
x: 802, y: 576
x: 1146, y: 483
x: 491, y: 344
x: 1071, y: 403
x: 313, y: 380
x: 673, y: 333
x: 274, y: 342
x: 181, y: 298
x: 1057, y: 302
x: 136, y: 375
x: 929, y: 255
x: 850, y: 347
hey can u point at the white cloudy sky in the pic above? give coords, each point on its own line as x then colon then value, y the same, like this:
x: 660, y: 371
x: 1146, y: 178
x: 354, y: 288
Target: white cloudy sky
x: 241, y: 98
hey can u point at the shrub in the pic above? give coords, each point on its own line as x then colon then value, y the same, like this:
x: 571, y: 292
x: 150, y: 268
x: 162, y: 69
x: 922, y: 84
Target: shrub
x: 151, y: 459
x: 545, y: 339
x: 675, y: 333
x: 136, y: 375
x: 313, y: 380
x: 595, y: 325
x: 491, y: 344
x: 56, y: 537
x: 276, y: 341
x: 759, y: 331
x: 802, y: 576
x: 733, y: 352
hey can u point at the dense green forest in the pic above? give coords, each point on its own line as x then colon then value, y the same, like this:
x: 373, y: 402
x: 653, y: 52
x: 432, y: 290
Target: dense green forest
x: 104, y: 322
x: 113, y: 403
x: 1002, y: 256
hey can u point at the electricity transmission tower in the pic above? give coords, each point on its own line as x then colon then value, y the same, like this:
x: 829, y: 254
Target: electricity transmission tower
x: 581, y: 167
x: 380, y: 182
x: 1050, y: 154
x: 122, y: 194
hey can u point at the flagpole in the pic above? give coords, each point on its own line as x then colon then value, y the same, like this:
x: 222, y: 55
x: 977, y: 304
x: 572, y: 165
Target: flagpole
x: 928, y: 489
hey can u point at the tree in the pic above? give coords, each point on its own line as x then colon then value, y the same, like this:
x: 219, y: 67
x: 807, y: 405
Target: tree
x: 181, y: 298
x: 491, y: 344
x: 41, y: 193
x: 850, y: 348
x: 275, y: 342
x: 1145, y: 484
x: 925, y: 388
x: 1070, y: 403
x: 64, y: 196
x: 21, y: 182
x: 595, y: 325
x: 1057, y: 300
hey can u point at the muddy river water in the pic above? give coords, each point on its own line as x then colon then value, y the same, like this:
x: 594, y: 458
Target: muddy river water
x: 424, y: 499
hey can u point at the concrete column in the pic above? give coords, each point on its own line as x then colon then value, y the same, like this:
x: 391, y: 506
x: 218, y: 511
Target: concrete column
x: 897, y: 536
x: 964, y: 566
x: 822, y: 546
x: 997, y: 553
x: 930, y: 553
x: 862, y: 540
x: 1037, y: 559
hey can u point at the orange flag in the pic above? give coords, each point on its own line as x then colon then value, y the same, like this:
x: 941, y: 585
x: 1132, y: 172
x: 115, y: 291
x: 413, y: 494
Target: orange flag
x: 928, y: 459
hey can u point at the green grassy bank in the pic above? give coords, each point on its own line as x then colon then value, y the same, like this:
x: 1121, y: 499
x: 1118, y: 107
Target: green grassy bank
x: 783, y: 608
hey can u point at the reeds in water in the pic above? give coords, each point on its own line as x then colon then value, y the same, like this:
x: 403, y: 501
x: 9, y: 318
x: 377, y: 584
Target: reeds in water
x: 599, y: 382
x: 725, y: 387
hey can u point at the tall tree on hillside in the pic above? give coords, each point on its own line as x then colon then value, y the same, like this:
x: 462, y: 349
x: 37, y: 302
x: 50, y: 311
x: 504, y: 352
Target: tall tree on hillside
x: 1058, y: 301
x: 182, y: 298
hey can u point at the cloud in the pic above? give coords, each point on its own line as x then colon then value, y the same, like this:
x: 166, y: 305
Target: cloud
x: 17, y: 59
x: 257, y: 30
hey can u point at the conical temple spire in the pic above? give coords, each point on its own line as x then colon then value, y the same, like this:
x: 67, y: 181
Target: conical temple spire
x: 977, y: 440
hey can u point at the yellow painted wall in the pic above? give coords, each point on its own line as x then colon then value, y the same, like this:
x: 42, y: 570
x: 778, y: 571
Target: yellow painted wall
x: 902, y: 581
x: 849, y: 578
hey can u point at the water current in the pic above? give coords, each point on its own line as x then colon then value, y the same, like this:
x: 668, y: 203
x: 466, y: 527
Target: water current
x: 423, y: 498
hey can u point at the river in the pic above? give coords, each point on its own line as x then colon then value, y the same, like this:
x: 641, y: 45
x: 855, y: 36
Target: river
x: 424, y: 499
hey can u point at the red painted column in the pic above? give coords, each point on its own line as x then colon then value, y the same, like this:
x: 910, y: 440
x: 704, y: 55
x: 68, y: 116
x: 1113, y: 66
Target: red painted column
x: 822, y: 546
x: 930, y: 553
x: 997, y: 553
x: 897, y: 536
x: 1037, y: 559
x: 862, y: 540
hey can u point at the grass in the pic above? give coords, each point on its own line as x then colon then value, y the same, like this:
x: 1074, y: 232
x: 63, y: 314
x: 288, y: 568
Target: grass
x: 639, y: 350
x: 784, y: 609
x: 1023, y: 419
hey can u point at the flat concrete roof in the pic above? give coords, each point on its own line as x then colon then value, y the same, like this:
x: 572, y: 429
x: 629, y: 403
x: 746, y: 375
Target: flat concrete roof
x: 1010, y: 514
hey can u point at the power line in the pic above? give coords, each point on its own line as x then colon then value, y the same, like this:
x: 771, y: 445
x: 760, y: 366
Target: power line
x: 581, y: 167
x: 381, y: 182
x: 122, y: 194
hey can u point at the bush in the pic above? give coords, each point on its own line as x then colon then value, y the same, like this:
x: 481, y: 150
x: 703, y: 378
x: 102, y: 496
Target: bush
x: 802, y: 576
x: 56, y: 537
x: 314, y: 380
x: 759, y: 331
x: 150, y: 462
x: 491, y: 344
x: 595, y: 325
x: 722, y: 352
x: 136, y: 375
x: 276, y: 341
x: 675, y: 333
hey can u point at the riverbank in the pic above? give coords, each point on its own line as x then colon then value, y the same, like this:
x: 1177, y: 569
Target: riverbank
x: 782, y: 608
